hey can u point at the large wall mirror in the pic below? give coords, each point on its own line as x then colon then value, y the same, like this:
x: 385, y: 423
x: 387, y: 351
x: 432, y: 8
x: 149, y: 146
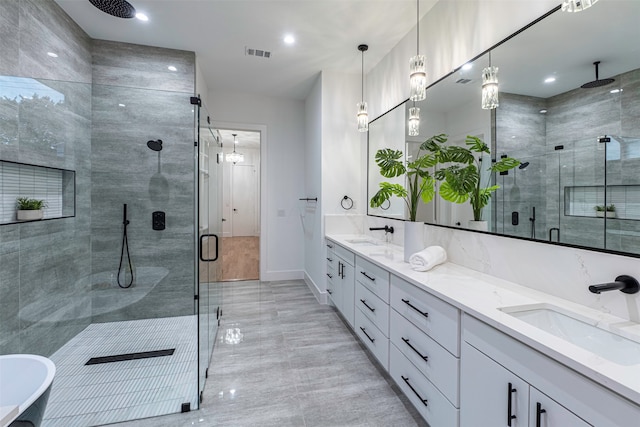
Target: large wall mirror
x: 577, y: 136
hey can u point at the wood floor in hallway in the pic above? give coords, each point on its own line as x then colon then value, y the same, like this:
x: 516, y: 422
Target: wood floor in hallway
x: 282, y: 359
x: 240, y: 258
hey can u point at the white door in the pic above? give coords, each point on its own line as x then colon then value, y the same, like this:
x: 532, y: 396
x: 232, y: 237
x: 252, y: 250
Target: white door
x: 244, y: 200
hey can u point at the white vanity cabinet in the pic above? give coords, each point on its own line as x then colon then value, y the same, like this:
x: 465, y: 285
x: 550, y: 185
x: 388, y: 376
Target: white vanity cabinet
x: 506, y: 383
x: 341, y: 285
x: 424, y: 352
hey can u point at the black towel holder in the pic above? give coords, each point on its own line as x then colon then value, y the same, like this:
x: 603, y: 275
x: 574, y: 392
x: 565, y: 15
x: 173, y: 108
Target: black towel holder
x: 348, y: 201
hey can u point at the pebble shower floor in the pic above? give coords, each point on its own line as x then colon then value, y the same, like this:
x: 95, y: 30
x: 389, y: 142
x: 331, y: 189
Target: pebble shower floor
x: 112, y: 392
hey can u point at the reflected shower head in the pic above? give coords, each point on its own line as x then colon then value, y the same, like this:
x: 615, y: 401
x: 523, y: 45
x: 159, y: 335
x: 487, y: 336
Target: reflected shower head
x: 523, y: 165
x: 597, y: 82
x: 117, y: 8
x: 155, y: 145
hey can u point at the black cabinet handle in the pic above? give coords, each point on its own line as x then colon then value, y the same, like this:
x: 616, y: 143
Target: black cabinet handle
x: 539, y: 412
x: 367, y: 305
x: 329, y: 259
x: 510, y: 392
x: 365, y: 332
x: 329, y: 290
x: 329, y: 246
x: 373, y: 279
x: 406, y: 341
x: 329, y: 276
x: 406, y: 380
x: 406, y: 301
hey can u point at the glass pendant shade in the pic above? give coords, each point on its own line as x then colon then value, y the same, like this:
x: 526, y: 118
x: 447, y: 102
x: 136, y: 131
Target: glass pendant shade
x: 490, y: 88
x: 577, y: 5
x: 235, y: 157
x: 417, y: 78
x: 363, y: 117
x: 414, y: 121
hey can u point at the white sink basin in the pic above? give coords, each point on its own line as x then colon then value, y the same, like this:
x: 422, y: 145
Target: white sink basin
x: 578, y: 330
x: 363, y: 241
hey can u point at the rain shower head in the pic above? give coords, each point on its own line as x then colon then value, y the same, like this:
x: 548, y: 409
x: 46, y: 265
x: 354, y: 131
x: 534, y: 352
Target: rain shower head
x: 155, y: 145
x: 597, y: 82
x: 117, y: 8
x: 523, y: 165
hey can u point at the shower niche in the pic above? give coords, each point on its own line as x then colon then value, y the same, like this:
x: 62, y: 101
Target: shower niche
x: 56, y: 187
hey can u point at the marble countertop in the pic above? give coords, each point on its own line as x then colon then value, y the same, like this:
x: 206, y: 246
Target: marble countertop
x: 482, y: 296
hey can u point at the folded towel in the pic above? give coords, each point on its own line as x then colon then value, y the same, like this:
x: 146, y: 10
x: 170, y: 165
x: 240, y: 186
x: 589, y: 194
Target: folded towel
x: 428, y: 258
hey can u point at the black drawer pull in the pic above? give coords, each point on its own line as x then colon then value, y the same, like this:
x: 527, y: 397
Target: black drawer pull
x: 406, y: 341
x: 329, y: 259
x: 365, y: 332
x: 373, y: 279
x: 367, y: 305
x: 539, y: 412
x: 329, y: 276
x: 406, y: 380
x: 406, y: 301
x: 510, y: 416
x: 330, y: 246
x: 329, y: 290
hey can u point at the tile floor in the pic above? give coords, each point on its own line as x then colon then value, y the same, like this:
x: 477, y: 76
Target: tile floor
x: 110, y: 392
x: 297, y: 364
x: 240, y: 258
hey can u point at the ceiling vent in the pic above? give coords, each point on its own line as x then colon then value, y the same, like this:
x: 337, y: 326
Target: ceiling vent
x: 463, y: 81
x: 257, y: 52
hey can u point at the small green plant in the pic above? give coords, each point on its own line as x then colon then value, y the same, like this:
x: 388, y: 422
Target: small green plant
x: 603, y: 208
x: 418, y: 178
x: 27, y: 204
x: 462, y: 180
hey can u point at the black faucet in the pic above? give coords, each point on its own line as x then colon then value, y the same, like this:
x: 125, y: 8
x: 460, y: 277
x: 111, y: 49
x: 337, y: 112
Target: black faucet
x: 386, y: 229
x: 624, y: 283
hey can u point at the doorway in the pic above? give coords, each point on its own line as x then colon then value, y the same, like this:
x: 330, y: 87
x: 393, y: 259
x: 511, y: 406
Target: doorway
x: 241, y: 205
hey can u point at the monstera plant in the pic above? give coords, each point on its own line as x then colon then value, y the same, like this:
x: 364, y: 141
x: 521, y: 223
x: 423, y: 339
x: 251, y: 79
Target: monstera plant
x: 462, y: 180
x: 419, y: 181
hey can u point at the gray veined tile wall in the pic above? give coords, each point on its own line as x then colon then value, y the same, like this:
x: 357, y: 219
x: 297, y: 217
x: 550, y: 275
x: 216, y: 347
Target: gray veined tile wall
x: 136, y: 99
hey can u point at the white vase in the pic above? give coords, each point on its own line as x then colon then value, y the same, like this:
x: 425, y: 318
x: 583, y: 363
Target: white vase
x: 413, y: 238
x: 29, y: 215
x: 478, y: 225
x: 611, y: 214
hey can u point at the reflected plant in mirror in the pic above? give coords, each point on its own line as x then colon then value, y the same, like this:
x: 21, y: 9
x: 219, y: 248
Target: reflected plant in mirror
x: 419, y: 180
x: 465, y: 179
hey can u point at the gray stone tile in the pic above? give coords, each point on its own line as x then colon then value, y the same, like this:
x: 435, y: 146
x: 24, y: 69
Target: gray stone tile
x: 9, y: 43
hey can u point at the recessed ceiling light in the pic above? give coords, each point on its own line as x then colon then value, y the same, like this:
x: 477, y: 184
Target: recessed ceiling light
x: 289, y: 39
x: 52, y: 54
x: 121, y: 105
x: 142, y: 16
x: 615, y: 91
x: 543, y: 111
x: 172, y: 68
x: 550, y: 80
x: 467, y: 66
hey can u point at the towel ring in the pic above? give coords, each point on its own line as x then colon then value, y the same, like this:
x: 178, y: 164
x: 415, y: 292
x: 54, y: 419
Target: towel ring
x: 348, y: 201
x: 388, y: 205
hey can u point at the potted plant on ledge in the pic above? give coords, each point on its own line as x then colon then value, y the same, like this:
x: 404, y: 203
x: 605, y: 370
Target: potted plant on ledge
x: 420, y: 185
x: 30, y: 209
x: 463, y: 180
x: 609, y: 211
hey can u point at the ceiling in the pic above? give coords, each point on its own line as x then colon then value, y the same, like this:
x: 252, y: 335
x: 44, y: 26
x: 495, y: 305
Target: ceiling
x: 327, y: 34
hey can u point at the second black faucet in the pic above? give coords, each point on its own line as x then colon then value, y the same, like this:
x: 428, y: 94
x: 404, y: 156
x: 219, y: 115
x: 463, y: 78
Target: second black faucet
x: 386, y: 229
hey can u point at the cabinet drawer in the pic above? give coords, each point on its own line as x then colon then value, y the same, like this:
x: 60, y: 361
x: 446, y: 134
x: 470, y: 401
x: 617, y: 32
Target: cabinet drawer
x: 331, y: 287
x: 431, y: 404
x: 437, y: 364
x: 373, y: 277
x: 436, y: 318
x: 373, y: 307
x: 371, y: 336
x: 332, y: 261
x: 345, y: 254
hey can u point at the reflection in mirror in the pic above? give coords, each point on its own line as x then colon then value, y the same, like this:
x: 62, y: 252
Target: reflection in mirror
x: 575, y: 133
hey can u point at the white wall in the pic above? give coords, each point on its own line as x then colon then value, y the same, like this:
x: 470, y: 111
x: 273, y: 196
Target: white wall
x: 282, y: 162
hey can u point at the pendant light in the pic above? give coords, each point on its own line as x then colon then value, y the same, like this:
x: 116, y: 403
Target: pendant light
x: 417, y: 71
x: 577, y: 5
x: 363, y: 116
x: 414, y: 120
x: 235, y: 157
x: 490, y: 87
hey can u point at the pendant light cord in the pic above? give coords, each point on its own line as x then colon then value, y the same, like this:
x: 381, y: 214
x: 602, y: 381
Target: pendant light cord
x: 362, y: 79
x: 417, y: 27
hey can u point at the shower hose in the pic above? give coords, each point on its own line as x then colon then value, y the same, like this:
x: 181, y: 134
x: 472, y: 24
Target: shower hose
x: 125, y: 246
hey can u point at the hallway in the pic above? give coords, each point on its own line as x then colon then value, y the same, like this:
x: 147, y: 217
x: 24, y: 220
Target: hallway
x: 294, y: 364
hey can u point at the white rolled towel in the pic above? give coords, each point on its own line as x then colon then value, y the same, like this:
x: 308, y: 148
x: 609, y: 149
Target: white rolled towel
x: 428, y: 258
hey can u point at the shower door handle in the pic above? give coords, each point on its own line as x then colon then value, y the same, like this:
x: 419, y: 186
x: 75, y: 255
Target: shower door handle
x: 201, y: 241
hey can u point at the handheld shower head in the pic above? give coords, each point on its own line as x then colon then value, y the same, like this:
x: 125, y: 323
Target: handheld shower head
x: 155, y: 145
x: 523, y: 165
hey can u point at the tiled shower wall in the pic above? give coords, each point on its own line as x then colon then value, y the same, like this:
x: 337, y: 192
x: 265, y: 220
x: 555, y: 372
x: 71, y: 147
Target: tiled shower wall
x: 137, y: 99
x: 46, y: 264
x: 40, y: 261
x: 580, y: 163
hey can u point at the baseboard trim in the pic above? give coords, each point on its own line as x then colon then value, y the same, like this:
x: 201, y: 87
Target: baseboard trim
x: 320, y: 296
x: 272, y: 276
